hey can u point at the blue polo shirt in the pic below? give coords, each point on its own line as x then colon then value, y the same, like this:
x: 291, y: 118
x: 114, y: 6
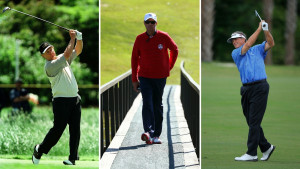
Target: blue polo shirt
x: 251, y: 65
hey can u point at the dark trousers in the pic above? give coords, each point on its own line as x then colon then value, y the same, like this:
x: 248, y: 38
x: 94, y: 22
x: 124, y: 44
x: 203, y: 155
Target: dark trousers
x: 66, y: 111
x: 254, y: 103
x: 152, y: 91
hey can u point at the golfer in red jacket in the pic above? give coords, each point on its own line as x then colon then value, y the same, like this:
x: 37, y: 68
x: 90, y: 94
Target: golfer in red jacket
x: 151, y: 65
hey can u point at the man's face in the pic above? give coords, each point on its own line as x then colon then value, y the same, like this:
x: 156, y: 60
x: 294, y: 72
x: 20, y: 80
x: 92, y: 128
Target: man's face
x: 238, y: 42
x: 150, y: 24
x: 49, y: 54
x: 18, y: 85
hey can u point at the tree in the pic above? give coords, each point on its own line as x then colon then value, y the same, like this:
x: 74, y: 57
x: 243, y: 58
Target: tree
x: 207, y: 19
x: 268, y: 6
x: 290, y: 28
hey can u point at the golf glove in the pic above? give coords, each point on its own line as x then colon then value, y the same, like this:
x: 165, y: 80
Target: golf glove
x: 78, y: 35
x: 265, y: 26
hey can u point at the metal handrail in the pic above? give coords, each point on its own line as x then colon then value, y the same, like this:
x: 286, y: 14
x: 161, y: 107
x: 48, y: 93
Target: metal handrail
x: 117, y: 97
x: 190, y: 99
x: 114, y: 81
x: 191, y: 81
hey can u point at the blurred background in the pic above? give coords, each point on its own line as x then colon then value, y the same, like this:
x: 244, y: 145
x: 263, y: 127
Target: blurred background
x: 221, y: 18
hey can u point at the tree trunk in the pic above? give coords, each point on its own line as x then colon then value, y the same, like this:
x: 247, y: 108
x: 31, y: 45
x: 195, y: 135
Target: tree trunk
x: 268, y: 12
x: 290, y: 28
x: 207, y: 23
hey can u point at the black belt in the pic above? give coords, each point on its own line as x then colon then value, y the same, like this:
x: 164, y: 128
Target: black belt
x: 253, y: 83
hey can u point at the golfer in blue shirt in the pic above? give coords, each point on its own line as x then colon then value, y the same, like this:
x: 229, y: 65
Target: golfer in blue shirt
x: 249, y: 60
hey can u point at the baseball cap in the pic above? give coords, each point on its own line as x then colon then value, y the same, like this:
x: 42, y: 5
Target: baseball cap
x: 44, y: 46
x: 236, y: 35
x: 150, y: 15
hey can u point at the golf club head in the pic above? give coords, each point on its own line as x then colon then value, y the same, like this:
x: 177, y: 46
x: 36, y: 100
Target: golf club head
x: 5, y: 9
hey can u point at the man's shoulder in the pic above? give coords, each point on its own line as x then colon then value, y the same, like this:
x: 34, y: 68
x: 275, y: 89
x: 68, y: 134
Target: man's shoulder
x: 141, y: 35
x: 12, y: 91
x: 57, y: 57
x: 236, y: 50
x: 23, y: 90
x: 162, y: 33
x: 259, y: 45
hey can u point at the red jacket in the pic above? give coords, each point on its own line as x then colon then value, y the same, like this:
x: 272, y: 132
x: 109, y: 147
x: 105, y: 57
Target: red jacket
x: 150, y: 57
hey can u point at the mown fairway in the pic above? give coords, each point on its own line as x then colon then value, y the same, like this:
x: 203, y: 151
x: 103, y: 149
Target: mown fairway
x: 122, y: 21
x: 224, y: 129
x: 19, y: 134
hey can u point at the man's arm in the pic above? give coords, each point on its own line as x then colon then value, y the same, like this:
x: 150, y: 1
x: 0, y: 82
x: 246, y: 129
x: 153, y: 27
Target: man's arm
x: 173, y: 52
x: 251, y: 39
x: 78, y: 47
x: 79, y: 43
x: 21, y: 98
x: 134, y: 65
x: 270, y: 41
x: 16, y: 99
x: 70, y: 47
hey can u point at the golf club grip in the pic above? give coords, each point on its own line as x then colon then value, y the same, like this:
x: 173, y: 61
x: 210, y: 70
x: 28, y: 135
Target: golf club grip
x: 42, y: 20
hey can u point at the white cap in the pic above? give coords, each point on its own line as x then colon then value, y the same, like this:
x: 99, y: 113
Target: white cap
x: 150, y: 15
x: 235, y: 35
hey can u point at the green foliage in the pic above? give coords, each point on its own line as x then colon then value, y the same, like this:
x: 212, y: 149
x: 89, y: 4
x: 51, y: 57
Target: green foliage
x: 19, y: 134
x: 233, y: 15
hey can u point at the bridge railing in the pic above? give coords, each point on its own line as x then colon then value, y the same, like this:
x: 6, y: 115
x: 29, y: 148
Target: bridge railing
x: 117, y: 97
x: 190, y: 92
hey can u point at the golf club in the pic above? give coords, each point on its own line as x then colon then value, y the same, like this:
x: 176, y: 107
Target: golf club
x: 263, y: 24
x: 256, y: 13
x: 8, y: 8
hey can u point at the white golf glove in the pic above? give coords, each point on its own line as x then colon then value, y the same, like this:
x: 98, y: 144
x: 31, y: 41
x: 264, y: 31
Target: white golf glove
x: 264, y: 26
x: 78, y: 35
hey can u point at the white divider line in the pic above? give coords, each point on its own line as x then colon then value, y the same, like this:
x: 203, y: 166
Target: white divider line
x: 113, y: 149
x: 190, y: 157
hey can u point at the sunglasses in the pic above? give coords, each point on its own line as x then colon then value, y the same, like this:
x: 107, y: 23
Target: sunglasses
x: 152, y: 22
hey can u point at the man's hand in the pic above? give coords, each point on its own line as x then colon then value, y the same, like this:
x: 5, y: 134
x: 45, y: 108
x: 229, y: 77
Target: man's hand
x: 260, y: 25
x: 72, y: 34
x: 135, y: 86
x: 264, y: 25
x: 78, y: 35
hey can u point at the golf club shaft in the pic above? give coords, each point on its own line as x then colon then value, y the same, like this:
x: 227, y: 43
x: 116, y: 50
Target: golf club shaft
x: 41, y: 19
x: 258, y: 15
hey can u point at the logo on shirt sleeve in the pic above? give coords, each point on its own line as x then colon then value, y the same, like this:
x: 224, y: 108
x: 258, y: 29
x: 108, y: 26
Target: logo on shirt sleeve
x: 160, y: 46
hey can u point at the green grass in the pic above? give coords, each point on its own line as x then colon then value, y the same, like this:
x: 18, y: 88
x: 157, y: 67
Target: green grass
x: 122, y: 21
x: 46, y: 164
x: 19, y: 134
x: 224, y: 129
